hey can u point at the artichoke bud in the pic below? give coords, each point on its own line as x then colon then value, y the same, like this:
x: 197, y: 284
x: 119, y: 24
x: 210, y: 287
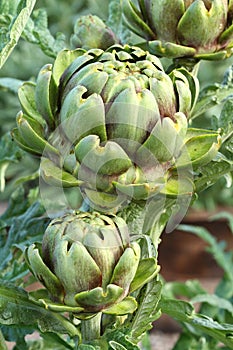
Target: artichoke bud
x: 185, y: 28
x: 90, y: 32
x: 108, y: 111
x: 101, y: 262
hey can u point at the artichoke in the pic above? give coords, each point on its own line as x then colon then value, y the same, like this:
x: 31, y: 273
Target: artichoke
x: 87, y: 262
x: 115, y: 124
x: 91, y: 32
x: 202, y: 29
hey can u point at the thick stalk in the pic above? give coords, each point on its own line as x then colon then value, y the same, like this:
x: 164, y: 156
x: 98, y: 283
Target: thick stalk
x: 90, y: 328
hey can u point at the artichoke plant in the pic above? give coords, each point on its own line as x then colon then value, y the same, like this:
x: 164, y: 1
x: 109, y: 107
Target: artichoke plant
x: 87, y: 262
x: 202, y: 29
x: 115, y: 124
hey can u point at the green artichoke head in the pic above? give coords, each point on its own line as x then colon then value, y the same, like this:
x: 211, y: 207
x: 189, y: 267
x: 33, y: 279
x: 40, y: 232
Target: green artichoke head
x: 184, y: 28
x: 87, y: 262
x: 91, y: 32
x: 113, y: 123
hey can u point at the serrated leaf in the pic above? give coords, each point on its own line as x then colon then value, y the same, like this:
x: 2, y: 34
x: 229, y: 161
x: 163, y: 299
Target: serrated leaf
x: 208, y: 175
x: 37, y: 32
x: 115, y: 21
x: 225, y: 119
x: 16, y: 28
x: 24, y: 223
x: 178, y: 309
x: 120, y: 337
x: 215, y: 94
x: 49, y: 341
x: 17, y: 308
x: 209, y: 97
x: 184, y: 312
x: 147, y: 311
x: 116, y: 346
x: 9, y: 151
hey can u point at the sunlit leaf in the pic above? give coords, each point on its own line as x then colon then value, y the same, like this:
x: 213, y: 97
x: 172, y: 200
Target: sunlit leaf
x: 17, y: 309
x: 15, y: 29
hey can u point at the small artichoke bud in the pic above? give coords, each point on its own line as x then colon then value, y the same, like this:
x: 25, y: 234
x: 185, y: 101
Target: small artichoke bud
x: 90, y: 32
x: 87, y: 261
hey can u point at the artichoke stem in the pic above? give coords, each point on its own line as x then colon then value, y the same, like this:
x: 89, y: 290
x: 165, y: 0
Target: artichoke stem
x: 90, y: 328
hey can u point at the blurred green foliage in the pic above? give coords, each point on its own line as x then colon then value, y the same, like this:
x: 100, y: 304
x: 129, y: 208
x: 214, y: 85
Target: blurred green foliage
x: 221, y: 193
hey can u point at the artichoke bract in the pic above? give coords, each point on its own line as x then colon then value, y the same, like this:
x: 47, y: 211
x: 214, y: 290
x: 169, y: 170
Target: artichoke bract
x: 88, y: 263
x: 183, y: 28
x: 113, y: 123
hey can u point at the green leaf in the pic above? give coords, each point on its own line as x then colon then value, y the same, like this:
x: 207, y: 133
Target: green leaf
x: 115, y: 21
x: 178, y: 309
x: 213, y: 95
x: 126, y: 306
x: 147, y: 311
x: 10, y: 84
x: 199, y: 150
x: 189, y: 289
x: 225, y: 121
x: 17, y: 308
x: 208, y: 175
x: 214, y: 300
x: 49, y: 341
x: 188, y: 341
x: 9, y: 153
x: 184, y: 312
x: 118, y: 340
x: 21, y: 224
x: 116, y: 346
x: 37, y: 32
x: 15, y: 29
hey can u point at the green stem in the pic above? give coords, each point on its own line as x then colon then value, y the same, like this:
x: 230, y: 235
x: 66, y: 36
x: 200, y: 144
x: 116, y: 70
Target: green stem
x: 90, y: 328
x: 3, y: 345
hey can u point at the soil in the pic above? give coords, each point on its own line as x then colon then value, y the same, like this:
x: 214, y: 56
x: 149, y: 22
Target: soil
x: 163, y: 341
